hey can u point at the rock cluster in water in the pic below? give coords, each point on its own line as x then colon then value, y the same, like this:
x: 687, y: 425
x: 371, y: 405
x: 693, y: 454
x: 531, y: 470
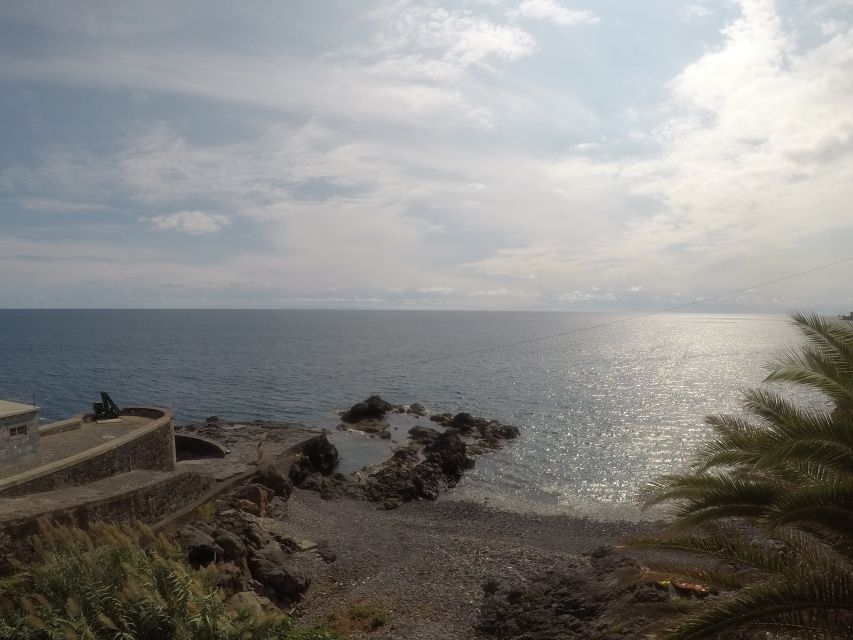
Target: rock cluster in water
x: 431, y: 461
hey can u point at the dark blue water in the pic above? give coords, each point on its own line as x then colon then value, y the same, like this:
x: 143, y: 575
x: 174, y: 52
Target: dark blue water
x: 601, y: 411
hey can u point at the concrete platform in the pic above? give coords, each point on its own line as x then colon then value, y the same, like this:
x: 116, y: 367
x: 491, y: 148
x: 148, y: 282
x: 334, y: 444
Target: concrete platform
x: 55, y: 447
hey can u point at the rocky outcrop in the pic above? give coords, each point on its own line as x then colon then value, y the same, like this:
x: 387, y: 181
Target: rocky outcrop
x: 200, y: 547
x: 371, y: 409
x: 318, y: 456
x: 414, y: 473
x: 257, y: 563
x: 272, y: 567
x: 579, y: 600
x: 490, y: 434
x: 233, y: 547
x: 423, y: 435
x: 432, y: 461
x: 416, y: 409
x: 280, y: 484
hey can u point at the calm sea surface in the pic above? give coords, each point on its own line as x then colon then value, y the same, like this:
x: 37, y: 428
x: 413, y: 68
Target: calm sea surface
x: 600, y: 411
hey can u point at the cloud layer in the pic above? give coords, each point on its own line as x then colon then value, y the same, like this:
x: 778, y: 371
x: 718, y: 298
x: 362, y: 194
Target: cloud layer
x: 467, y: 154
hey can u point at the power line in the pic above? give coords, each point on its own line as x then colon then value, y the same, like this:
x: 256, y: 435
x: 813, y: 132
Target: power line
x: 592, y: 327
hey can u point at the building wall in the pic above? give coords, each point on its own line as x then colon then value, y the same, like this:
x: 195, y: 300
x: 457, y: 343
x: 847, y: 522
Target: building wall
x: 146, y: 504
x: 18, y: 446
x: 153, y: 451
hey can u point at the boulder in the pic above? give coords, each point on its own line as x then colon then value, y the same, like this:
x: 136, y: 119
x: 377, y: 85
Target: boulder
x: 232, y: 545
x: 200, y: 547
x: 322, y: 454
x: 249, y: 601
x: 448, y: 452
x: 465, y: 422
x: 374, y: 407
x: 444, y: 419
x: 273, y: 479
x: 257, y: 493
x: 424, y: 435
x: 250, y: 507
x: 417, y: 409
x: 318, y: 456
x: 230, y: 577
x: 272, y: 567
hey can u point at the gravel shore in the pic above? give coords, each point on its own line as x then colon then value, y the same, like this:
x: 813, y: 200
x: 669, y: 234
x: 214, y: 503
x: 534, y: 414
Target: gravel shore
x: 425, y: 563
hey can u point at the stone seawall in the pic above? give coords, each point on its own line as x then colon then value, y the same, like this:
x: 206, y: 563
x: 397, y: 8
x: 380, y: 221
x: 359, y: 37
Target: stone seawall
x: 149, y: 503
x: 152, y: 449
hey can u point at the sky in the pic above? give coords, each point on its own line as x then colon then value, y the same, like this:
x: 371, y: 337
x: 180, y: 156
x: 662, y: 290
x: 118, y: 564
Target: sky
x: 466, y: 154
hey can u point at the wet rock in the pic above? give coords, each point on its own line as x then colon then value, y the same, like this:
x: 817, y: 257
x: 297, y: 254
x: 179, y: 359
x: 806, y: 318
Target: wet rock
x: 448, y: 451
x: 424, y: 435
x: 372, y: 408
x: 464, y: 422
x: 417, y: 409
x: 369, y: 426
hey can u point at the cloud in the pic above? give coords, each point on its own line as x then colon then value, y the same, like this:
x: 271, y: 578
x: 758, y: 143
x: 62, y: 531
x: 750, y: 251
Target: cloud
x: 555, y: 12
x: 192, y: 222
x: 444, y: 291
x: 440, y: 157
x: 457, y: 37
x: 696, y: 11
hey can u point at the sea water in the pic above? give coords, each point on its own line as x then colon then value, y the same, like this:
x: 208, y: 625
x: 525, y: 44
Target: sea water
x: 603, y: 407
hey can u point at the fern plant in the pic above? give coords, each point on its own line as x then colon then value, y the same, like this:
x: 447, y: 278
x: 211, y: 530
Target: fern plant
x: 786, y: 471
x: 123, y: 583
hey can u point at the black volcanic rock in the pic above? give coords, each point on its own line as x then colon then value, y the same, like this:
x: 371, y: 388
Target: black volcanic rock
x: 318, y: 456
x: 372, y: 408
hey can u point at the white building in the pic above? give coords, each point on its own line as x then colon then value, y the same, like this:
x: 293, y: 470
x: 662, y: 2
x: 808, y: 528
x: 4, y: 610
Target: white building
x: 19, y: 430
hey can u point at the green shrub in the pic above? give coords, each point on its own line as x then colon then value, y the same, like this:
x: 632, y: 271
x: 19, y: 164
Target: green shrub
x: 123, y: 583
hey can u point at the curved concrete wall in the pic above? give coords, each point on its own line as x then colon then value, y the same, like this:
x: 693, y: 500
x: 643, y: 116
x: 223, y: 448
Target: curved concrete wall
x: 148, y: 503
x: 188, y: 447
x: 149, y: 447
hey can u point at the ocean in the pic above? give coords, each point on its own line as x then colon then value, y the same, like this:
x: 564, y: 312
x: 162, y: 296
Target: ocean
x: 602, y: 408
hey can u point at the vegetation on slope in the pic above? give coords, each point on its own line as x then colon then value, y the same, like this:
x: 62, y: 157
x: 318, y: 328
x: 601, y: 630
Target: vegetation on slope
x: 123, y: 583
x: 776, y: 486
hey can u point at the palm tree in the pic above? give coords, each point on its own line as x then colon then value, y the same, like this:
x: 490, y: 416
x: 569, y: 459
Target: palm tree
x: 786, y: 470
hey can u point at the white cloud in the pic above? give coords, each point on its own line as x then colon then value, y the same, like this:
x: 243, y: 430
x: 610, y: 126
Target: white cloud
x: 696, y: 11
x: 444, y: 291
x: 555, y: 12
x: 458, y: 37
x: 362, y: 182
x: 192, y: 222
